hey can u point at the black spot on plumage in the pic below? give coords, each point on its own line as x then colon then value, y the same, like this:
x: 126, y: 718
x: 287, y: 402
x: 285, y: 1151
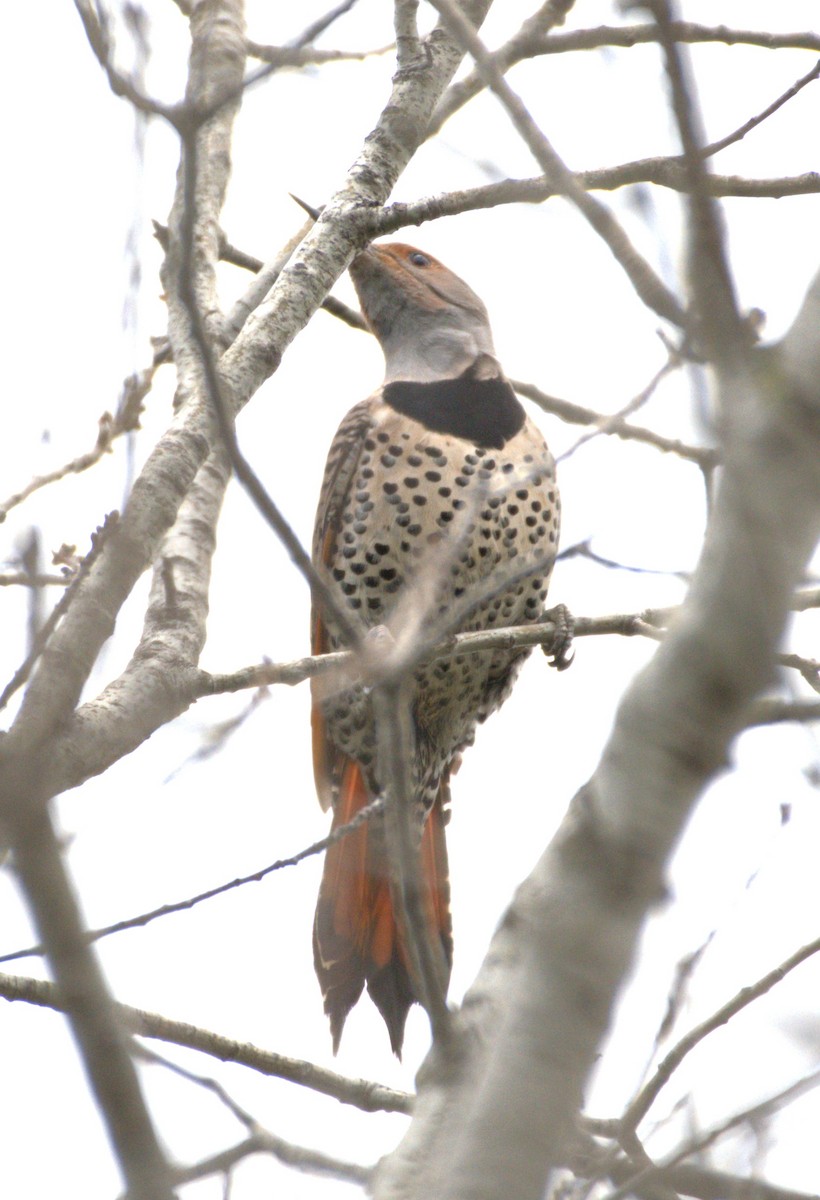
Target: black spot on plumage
x: 483, y: 411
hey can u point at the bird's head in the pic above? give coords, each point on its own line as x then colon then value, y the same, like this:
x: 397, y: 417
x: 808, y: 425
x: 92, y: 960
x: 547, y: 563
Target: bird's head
x: 429, y: 323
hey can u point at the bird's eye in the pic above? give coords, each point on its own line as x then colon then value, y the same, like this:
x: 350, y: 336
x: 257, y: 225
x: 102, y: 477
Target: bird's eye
x: 418, y: 259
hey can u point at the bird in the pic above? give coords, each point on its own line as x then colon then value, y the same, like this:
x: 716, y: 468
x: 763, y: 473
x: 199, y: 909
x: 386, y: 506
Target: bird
x: 440, y: 470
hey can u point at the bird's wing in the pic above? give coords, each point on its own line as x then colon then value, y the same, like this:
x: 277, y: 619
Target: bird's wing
x: 340, y: 469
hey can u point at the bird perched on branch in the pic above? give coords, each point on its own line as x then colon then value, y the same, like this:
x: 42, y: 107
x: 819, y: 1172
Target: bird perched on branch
x: 437, y: 486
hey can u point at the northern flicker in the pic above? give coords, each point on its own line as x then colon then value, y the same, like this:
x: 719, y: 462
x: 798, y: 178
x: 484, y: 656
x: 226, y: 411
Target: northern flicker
x: 440, y: 466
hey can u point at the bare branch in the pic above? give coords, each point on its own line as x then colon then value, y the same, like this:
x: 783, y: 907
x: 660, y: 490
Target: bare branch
x: 530, y: 43
x: 48, y: 703
x: 691, y: 1180
x: 720, y: 330
x: 576, y: 414
x: 805, y: 600
x: 302, y: 1158
x: 616, y: 420
x: 584, y: 550
x: 809, y: 668
x: 260, y: 1141
x: 125, y: 420
x: 360, y: 1093
x: 651, y: 289
x: 753, y: 122
x: 165, y: 910
x: 694, y: 1145
x: 533, y: 30
x: 682, y: 31
x: 95, y: 1022
x: 23, y: 579
x: 40, y: 642
x: 322, y: 24
x: 665, y: 172
x: 284, y: 57
x: 640, y: 1106
x: 96, y: 30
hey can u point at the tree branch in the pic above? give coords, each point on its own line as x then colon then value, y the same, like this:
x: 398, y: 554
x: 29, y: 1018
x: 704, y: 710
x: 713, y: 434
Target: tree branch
x: 361, y: 1093
x: 649, y: 287
x: 530, y: 42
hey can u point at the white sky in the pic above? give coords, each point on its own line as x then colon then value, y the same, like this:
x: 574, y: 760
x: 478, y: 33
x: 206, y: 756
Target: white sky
x: 563, y: 317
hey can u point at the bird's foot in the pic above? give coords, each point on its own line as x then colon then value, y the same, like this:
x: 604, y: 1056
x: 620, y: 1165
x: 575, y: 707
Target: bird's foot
x: 560, y: 650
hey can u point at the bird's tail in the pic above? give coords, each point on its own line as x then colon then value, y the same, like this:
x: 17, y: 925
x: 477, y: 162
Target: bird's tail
x: 356, y: 937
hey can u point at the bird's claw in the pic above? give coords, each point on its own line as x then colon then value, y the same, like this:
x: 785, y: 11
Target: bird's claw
x: 560, y: 650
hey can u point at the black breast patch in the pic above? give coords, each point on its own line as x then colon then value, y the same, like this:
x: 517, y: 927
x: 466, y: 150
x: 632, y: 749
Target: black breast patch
x: 485, y: 412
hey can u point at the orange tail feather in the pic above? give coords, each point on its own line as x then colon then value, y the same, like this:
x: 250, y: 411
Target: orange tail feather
x: 356, y: 939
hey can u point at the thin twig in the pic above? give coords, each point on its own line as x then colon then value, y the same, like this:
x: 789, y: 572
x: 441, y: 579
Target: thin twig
x: 577, y: 414
x: 651, y: 289
x: 322, y: 24
x: 640, y: 1106
x: 695, y: 1145
x: 23, y: 579
x: 584, y: 550
x: 534, y: 43
x: 262, y: 1141
x: 143, y: 919
x: 98, y: 539
x: 609, y: 424
x: 721, y: 331
x: 100, y: 42
x: 753, y: 122
x: 125, y: 420
x: 360, y: 1093
x: 663, y: 171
